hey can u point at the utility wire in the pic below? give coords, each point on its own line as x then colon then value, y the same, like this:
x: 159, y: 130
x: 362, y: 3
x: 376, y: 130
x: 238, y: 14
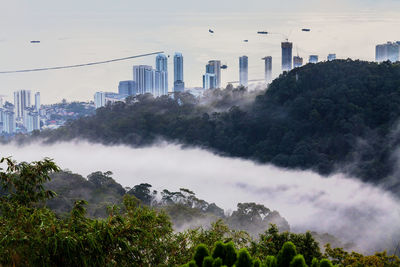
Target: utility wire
x: 80, y: 65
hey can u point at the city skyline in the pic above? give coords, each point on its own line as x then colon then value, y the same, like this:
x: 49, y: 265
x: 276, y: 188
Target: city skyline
x: 347, y: 28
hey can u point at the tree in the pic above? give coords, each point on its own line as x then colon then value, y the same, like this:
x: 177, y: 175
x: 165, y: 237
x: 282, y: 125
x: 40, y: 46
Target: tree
x: 219, y: 250
x: 256, y: 263
x: 286, y: 254
x: 271, y: 261
x: 200, y: 253
x: 298, y: 261
x: 217, y: 262
x: 244, y: 259
x: 208, y: 261
x: 143, y: 193
x: 315, y: 263
x: 24, y: 182
x: 230, y: 254
x: 325, y: 263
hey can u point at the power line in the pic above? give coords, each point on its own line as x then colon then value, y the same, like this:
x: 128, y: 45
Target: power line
x: 80, y: 65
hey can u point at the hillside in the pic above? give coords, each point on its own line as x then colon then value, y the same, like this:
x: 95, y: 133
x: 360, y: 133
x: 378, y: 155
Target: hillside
x: 186, y: 210
x: 328, y: 117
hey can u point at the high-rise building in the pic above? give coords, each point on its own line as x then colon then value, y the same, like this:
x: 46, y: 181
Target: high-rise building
x: 31, y: 120
x: 313, y: 59
x: 209, y: 81
x: 389, y: 51
x: 162, y: 76
x: 143, y: 76
x: 243, y: 71
x: 297, y: 62
x: 214, y: 67
x: 161, y: 62
x: 268, y: 69
x: 127, y: 88
x: 331, y: 57
x: 22, y: 100
x: 99, y: 99
x: 37, y: 101
x: 287, y: 56
x: 212, y: 78
x: 179, y: 84
x: 8, y: 118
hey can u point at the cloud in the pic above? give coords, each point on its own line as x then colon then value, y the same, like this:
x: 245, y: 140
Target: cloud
x: 351, y: 210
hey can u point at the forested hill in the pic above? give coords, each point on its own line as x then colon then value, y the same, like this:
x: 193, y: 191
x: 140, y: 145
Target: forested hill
x: 339, y: 115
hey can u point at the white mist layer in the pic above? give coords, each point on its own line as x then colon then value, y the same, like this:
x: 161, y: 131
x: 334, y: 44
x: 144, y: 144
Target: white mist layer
x: 349, y: 209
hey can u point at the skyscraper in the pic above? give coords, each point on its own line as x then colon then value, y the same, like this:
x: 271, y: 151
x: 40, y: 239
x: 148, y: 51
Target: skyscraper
x: 297, y: 62
x: 214, y: 67
x: 243, y: 71
x: 212, y: 78
x: 313, y: 59
x: 162, y: 76
x: 99, y: 99
x: 8, y: 118
x: 209, y: 81
x: 268, y: 69
x: 143, y: 76
x: 31, y: 120
x: 331, y: 57
x: 179, y: 84
x: 37, y: 101
x: 22, y: 100
x: 127, y: 88
x: 161, y: 62
x: 389, y: 51
x: 160, y: 83
x: 287, y: 56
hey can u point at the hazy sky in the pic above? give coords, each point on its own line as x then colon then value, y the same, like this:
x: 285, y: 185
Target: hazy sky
x: 73, y: 32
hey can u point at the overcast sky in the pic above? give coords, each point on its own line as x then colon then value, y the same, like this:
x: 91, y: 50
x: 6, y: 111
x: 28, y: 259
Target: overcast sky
x: 73, y: 32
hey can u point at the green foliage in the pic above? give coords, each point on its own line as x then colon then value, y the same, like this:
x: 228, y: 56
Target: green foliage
x: 255, y: 218
x: 24, y: 182
x: 217, y: 262
x: 219, y: 250
x: 272, y: 241
x: 200, y: 253
x: 244, y: 259
x: 271, y: 261
x: 132, y: 234
x: 257, y: 263
x: 208, y: 261
x: 33, y: 236
x: 298, y: 261
x: 100, y: 191
x: 315, y: 263
x: 325, y: 263
x: 286, y: 254
x: 143, y: 193
x: 230, y: 254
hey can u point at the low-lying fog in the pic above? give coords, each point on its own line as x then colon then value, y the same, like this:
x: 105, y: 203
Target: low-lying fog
x: 351, y: 210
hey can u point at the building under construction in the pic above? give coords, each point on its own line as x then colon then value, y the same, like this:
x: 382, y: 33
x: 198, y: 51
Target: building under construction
x: 287, y: 56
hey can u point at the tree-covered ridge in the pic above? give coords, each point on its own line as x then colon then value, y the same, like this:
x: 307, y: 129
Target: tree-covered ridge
x: 186, y: 210
x: 136, y: 235
x: 339, y: 115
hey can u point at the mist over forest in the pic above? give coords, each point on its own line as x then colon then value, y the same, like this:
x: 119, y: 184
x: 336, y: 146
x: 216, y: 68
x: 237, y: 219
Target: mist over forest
x: 318, y: 149
x: 332, y: 117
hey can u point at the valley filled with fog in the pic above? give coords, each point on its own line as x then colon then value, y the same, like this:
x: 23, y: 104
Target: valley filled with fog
x: 347, y: 208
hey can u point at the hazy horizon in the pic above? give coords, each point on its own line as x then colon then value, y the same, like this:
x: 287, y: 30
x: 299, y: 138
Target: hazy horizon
x: 77, y: 32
